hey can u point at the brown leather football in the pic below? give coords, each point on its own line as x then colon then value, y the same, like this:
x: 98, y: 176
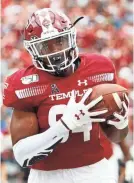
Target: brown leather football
x: 113, y: 95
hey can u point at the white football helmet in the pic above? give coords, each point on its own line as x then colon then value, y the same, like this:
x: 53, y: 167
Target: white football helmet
x: 50, y: 38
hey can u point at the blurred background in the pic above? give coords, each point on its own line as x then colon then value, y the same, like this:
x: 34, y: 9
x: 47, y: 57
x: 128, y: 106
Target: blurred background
x: 107, y: 29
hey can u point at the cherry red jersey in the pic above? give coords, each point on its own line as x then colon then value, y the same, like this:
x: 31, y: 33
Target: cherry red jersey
x: 35, y: 90
x: 107, y: 145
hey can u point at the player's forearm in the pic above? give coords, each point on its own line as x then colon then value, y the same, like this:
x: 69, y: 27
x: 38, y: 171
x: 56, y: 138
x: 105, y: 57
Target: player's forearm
x: 125, y: 149
x: 31, y: 149
x: 113, y: 134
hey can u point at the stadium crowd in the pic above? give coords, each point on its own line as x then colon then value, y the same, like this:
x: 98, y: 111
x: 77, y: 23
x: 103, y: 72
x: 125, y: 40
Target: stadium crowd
x: 107, y: 28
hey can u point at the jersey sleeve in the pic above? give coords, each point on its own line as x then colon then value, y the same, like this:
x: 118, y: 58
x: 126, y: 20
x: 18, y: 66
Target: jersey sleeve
x: 109, y: 66
x: 104, y: 68
x: 10, y: 98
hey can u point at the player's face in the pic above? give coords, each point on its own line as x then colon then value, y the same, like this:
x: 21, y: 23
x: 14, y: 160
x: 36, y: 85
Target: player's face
x: 53, y: 45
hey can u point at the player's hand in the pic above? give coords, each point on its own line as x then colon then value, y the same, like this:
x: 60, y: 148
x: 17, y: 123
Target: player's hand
x: 121, y: 120
x: 77, y: 114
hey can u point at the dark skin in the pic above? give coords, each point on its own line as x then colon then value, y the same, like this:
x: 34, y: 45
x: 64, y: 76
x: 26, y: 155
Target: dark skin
x: 125, y: 149
x: 53, y: 45
x: 23, y: 124
x: 113, y: 134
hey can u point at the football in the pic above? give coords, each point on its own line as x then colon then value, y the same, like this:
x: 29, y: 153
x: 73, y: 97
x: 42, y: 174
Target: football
x: 113, y: 95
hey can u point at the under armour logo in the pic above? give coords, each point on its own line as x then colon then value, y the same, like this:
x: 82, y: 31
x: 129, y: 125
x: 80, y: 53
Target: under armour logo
x: 82, y: 82
x: 78, y: 115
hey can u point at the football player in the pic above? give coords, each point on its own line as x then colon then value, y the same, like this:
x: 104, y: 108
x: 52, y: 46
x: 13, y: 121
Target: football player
x: 53, y: 131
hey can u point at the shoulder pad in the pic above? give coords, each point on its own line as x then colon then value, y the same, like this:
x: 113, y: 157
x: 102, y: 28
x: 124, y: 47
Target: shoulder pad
x: 99, y: 64
x: 9, y: 97
x: 14, y: 84
x: 98, y: 60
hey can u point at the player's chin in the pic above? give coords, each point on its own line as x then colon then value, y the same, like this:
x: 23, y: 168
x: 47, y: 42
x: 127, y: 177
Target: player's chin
x: 65, y: 72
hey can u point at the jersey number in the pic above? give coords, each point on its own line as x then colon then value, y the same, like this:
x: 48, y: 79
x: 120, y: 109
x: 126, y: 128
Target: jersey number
x: 59, y: 109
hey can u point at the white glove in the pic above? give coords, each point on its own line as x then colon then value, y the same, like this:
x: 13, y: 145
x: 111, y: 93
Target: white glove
x: 121, y: 120
x: 77, y: 114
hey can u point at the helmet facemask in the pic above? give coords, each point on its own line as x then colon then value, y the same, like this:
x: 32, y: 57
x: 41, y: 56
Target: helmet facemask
x: 54, y: 53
